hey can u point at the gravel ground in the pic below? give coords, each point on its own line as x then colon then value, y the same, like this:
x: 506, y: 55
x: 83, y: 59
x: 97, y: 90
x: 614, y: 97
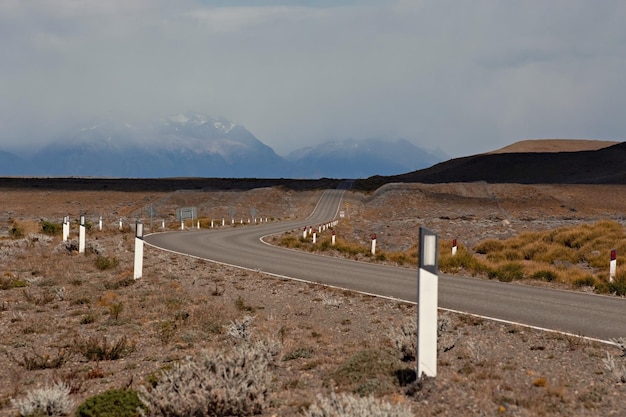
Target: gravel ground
x: 331, y: 340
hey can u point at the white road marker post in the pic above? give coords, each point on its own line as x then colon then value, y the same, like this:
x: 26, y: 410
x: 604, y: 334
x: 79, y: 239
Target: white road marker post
x: 374, y: 244
x: 182, y: 225
x: 211, y: 223
x: 163, y: 224
x: 304, y: 233
x: 138, y: 267
x: 121, y: 225
x: 81, y: 235
x: 453, y: 247
x: 332, y: 239
x: 198, y: 224
x: 613, y: 265
x: 66, y: 228
x: 100, y: 223
x: 314, y: 237
x: 427, y: 303
x: 223, y: 221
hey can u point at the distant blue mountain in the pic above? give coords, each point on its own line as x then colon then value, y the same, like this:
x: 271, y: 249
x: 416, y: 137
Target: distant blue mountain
x: 196, y: 145
x: 351, y: 158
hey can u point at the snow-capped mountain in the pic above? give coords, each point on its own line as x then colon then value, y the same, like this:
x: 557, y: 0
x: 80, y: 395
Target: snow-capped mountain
x: 190, y: 144
x: 197, y: 145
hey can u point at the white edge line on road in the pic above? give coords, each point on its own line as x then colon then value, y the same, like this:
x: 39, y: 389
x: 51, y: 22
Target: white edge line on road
x: 608, y: 342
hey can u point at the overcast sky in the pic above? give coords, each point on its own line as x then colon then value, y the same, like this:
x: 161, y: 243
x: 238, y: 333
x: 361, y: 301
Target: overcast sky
x: 462, y: 76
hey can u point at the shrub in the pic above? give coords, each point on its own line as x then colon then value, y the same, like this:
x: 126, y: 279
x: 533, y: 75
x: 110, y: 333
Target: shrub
x: 8, y: 282
x: 508, y: 272
x: 370, y: 371
x: 587, y: 281
x: 219, y: 384
x: 105, y: 262
x: 241, y: 329
x: 545, y: 275
x: 618, y: 286
x: 618, y: 371
x: 98, y: 349
x: 50, y: 401
x: 488, y: 246
x: 405, y: 337
x: 17, y: 231
x: 50, y: 228
x: 298, y: 353
x: 346, y: 405
x: 36, y: 360
x: 112, y: 403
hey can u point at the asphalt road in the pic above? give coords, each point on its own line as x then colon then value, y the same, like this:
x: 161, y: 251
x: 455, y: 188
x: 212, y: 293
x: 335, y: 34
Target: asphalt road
x: 595, y: 316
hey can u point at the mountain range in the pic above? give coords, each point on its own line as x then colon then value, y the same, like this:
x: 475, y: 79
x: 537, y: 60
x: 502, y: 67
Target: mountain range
x: 197, y: 145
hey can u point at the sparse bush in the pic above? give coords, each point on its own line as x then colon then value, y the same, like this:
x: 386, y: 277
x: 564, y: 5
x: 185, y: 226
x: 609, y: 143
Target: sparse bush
x: 405, y: 337
x: 299, y: 353
x: 617, y: 370
x: 8, y: 282
x: 347, y: 405
x: 99, y: 349
x: 489, y: 246
x: 50, y: 401
x: 508, y: 272
x: 214, y: 384
x: 17, y: 231
x: 587, y: 281
x: 36, y: 360
x: 241, y: 305
x: 112, y: 403
x: 368, y: 372
x: 544, y: 275
x: 105, y: 262
x: 618, y: 286
x: 241, y: 329
x: 50, y: 228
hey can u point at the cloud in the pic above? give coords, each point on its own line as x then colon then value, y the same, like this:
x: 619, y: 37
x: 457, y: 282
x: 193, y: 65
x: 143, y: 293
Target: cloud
x: 463, y: 76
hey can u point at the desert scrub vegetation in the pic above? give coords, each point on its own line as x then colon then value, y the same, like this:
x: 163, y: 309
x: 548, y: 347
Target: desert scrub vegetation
x: 48, y: 401
x: 221, y: 383
x: 96, y: 348
x: 576, y: 255
x: 348, y: 405
x: 112, y: 403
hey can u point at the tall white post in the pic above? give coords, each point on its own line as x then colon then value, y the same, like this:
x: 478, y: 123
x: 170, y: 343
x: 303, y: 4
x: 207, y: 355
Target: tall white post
x: 81, y: 235
x: 138, y: 267
x: 198, y: 224
x: 182, y: 225
x: 223, y: 221
x: 613, y: 265
x: 163, y: 224
x: 373, y: 244
x: 66, y: 228
x: 120, y: 223
x: 211, y: 223
x: 453, y: 247
x: 304, y: 233
x: 314, y: 237
x: 100, y: 224
x: 332, y: 240
x: 427, y: 303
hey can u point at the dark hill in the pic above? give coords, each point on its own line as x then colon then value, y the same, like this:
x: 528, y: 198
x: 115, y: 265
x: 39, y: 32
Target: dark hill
x: 602, y: 166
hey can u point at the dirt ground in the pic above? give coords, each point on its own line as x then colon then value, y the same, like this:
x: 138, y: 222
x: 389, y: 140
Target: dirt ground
x: 331, y: 340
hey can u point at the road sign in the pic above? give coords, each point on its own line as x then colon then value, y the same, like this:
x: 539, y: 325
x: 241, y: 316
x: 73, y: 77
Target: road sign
x: 186, y: 213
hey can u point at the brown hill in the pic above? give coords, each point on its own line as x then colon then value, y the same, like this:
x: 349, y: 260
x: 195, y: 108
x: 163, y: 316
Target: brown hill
x: 601, y: 166
x: 555, y: 145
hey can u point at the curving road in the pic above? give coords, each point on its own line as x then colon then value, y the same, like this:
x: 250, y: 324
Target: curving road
x: 589, y: 315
